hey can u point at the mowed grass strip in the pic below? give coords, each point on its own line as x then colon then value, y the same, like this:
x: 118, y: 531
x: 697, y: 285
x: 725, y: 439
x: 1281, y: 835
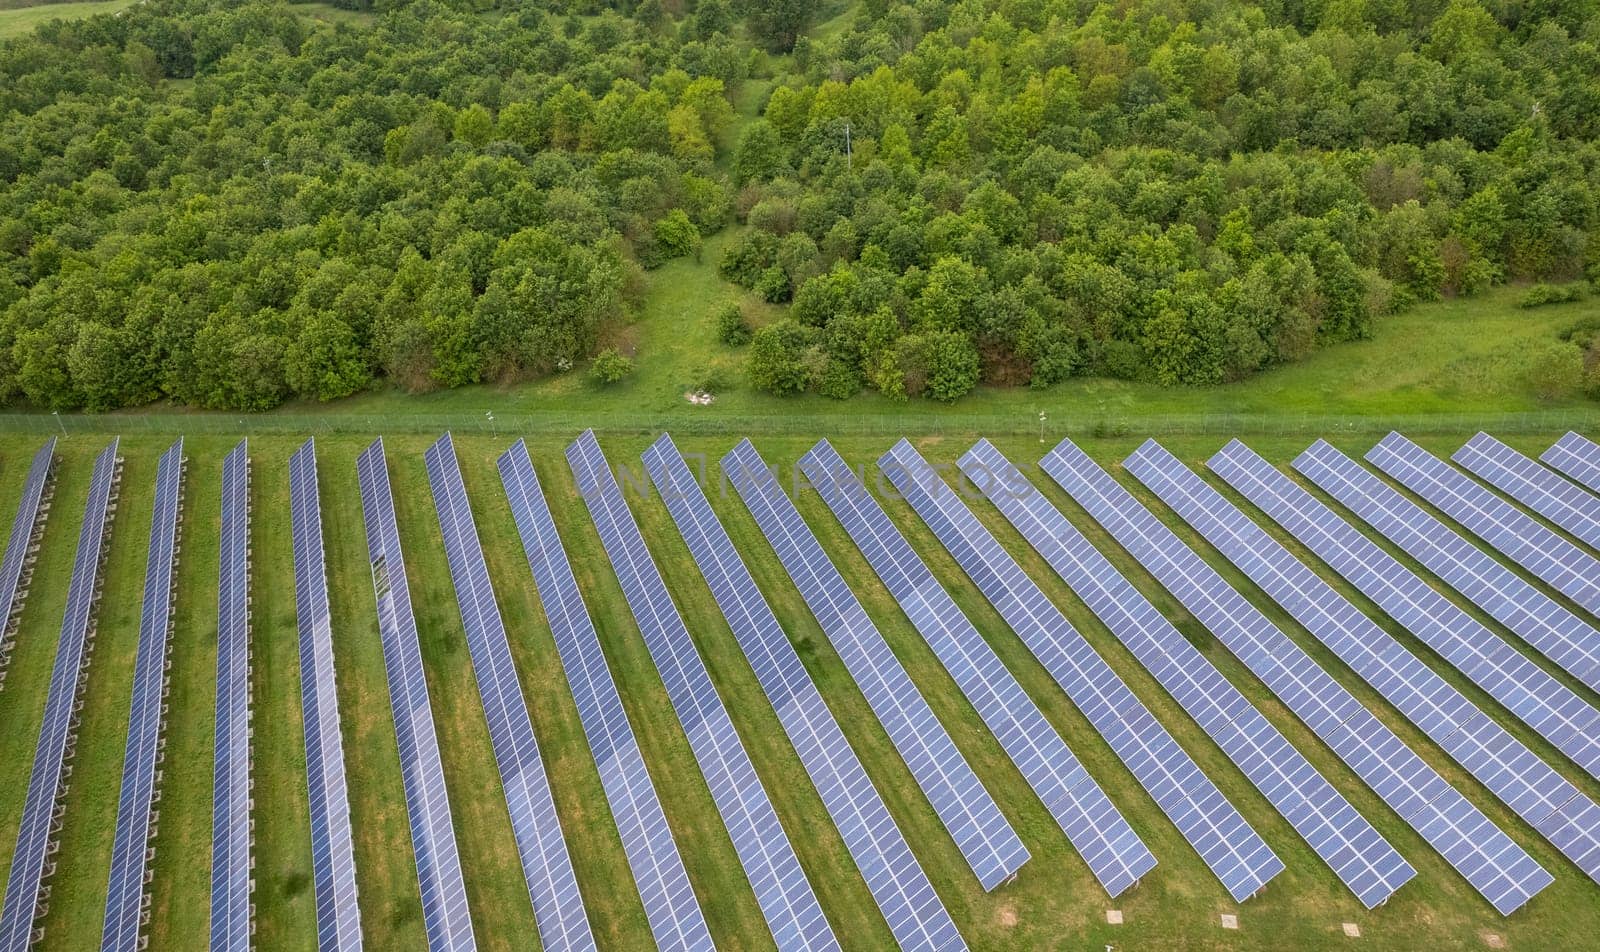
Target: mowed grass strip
x: 1055, y: 903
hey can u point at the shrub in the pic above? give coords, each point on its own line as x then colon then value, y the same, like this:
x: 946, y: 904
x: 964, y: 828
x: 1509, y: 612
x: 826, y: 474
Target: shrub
x: 1542, y: 294
x: 732, y: 328
x: 609, y: 367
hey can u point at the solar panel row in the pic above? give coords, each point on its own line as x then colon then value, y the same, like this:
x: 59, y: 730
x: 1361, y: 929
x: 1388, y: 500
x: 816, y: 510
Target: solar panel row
x: 1569, y: 722
x: 1234, y: 851
x: 1546, y: 492
x: 1300, y: 794
x: 905, y: 897
x: 546, y: 865
x: 1526, y: 541
x: 27, y: 896
x: 785, y: 896
x: 986, y: 839
x: 232, y: 914
x: 1578, y: 457
x: 445, y: 916
x: 333, y: 864
x: 1500, y: 870
x: 675, y: 918
x: 1108, y: 844
x: 127, y: 902
x: 16, y: 568
x: 1524, y: 782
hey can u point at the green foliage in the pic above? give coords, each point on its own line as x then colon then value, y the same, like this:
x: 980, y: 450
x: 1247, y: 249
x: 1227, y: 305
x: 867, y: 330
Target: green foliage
x: 436, y: 199
x: 732, y: 329
x: 1556, y: 370
x: 609, y: 367
x: 780, y: 358
x: 1542, y: 294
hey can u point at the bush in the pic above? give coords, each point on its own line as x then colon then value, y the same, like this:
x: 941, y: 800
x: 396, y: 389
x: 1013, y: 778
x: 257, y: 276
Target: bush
x: 1542, y: 294
x: 609, y: 367
x: 732, y: 328
x: 1557, y: 370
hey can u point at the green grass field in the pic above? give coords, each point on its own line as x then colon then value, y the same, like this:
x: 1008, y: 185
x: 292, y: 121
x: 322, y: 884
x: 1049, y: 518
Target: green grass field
x: 1054, y: 904
x: 20, y: 20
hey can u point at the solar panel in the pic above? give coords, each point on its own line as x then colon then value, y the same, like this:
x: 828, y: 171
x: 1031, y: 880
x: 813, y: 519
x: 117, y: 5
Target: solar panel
x: 16, y: 569
x: 1557, y: 633
x: 232, y: 915
x: 333, y: 862
x: 27, y: 895
x: 1525, y: 783
x: 132, y: 847
x: 1302, y: 795
x: 787, y: 902
x: 984, y: 836
x: 1238, y: 855
x: 1500, y: 870
x: 1578, y: 457
x: 674, y: 915
x: 1526, y: 541
x: 1110, y: 847
x: 1546, y: 492
x: 896, y: 880
x: 445, y: 915
x: 546, y: 865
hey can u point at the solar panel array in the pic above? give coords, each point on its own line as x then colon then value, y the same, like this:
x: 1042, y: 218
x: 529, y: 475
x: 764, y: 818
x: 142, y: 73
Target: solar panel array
x: 16, y: 568
x: 333, y: 863
x: 445, y: 916
x: 546, y: 864
x: 27, y: 895
x: 232, y: 914
x: 675, y: 918
x: 1113, y: 851
x: 1500, y: 870
x: 1553, y: 630
x: 1302, y: 795
x: 1525, y: 540
x: 916, y: 916
x: 1234, y: 851
x: 787, y: 902
x: 1525, y: 783
x: 1578, y: 457
x: 1546, y: 492
x: 982, y: 833
x: 132, y: 850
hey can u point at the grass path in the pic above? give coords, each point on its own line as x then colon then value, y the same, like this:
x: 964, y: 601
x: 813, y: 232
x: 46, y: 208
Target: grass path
x: 1054, y: 904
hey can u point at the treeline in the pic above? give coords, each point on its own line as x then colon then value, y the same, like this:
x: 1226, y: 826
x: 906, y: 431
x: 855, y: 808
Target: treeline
x: 1183, y: 191
x: 440, y: 198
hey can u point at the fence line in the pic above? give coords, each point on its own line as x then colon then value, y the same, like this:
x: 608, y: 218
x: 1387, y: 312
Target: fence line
x: 911, y: 424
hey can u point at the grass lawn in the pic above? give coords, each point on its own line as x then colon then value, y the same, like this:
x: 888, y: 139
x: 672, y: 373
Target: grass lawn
x: 15, y: 22
x: 1054, y: 904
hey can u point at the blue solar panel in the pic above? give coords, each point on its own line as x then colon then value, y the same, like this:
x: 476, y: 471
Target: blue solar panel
x: 546, y: 865
x: 17, y: 567
x: 1303, y: 796
x: 1528, y: 785
x: 674, y: 915
x: 1546, y: 492
x: 26, y: 893
x: 984, y: 836
x: 132, y: 844
x: 1501, y: 871
x: 1110, y: 847
x: 896, y: 880
x: 1556, y: 632
x: 445, y: 915
x: 787, y: 902
x: 232, y: 915
x: 1234, y: 851
x: 1578, y: 457
x: 333, y: 863
x: 1528, y: 542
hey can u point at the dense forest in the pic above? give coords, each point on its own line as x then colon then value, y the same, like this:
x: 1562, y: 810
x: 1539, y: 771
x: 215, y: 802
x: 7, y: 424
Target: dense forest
x: 218, y: 204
